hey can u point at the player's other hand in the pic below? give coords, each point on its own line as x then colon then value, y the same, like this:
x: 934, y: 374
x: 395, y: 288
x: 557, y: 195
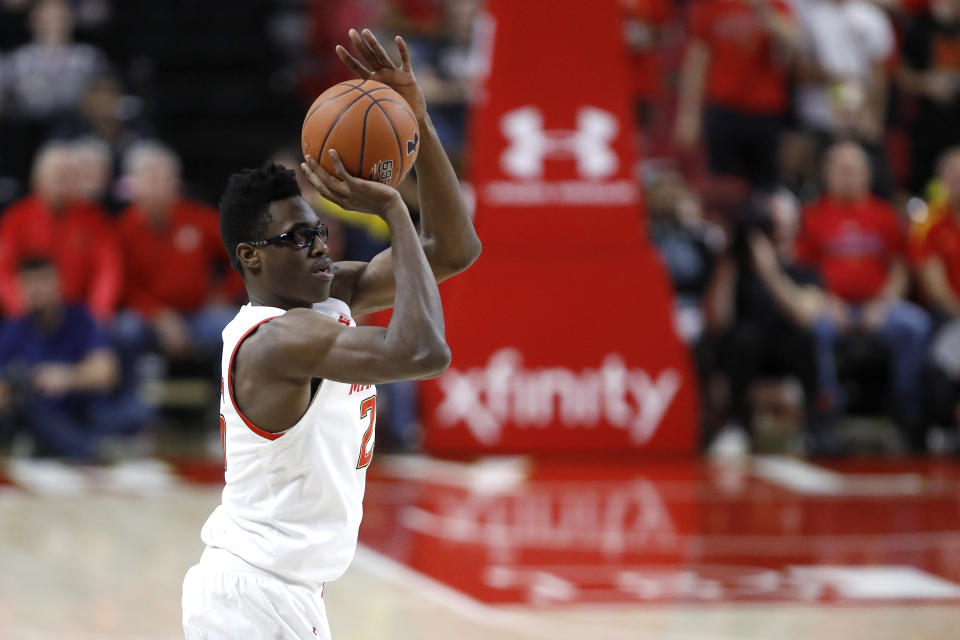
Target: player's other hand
x: 376, y: 64
x: 344, y: 190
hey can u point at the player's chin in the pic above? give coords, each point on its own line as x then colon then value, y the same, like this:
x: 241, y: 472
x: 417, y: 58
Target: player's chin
x: 320, y: 286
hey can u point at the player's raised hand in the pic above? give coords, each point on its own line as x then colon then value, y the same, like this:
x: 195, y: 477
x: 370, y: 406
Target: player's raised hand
x: 348, y: 192
x: 376, y: 64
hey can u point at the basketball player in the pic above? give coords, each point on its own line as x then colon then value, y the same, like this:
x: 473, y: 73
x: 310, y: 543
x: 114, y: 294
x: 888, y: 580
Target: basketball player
x: 298, y: 405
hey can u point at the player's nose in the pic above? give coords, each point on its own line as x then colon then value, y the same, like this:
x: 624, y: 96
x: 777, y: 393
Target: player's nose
x: 319, y: 247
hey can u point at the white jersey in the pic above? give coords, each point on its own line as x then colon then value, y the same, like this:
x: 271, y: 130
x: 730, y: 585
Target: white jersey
x: 292, y: 503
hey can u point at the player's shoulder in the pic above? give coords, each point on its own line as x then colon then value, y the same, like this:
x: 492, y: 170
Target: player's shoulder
x: 273, y: 330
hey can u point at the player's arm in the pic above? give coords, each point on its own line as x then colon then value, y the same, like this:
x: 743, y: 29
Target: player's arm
x: 305, y: 344
x: 449, y: 240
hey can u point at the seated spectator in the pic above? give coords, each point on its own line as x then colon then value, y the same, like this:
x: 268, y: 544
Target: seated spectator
x: 93, y: 171
x: 843, y: 76
x: 939, y: 271
x: 57, y: 372
x: 107, y: 125
x: 45, y: 80
x: 931, y: 71
x: 736, y: 64
x: 764, y: 305
x: 180, y: 291
x: 56, y: 221
x: 854, y: 239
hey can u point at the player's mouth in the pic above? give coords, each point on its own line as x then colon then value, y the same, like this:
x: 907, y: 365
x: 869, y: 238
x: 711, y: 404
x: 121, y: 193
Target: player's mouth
x: 323, y: 269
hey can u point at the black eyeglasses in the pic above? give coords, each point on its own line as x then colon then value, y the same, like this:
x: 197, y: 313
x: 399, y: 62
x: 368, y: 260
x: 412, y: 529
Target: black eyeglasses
x: 300, y: 237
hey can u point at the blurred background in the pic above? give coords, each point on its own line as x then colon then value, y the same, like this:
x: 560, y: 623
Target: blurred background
x: 799, y: 169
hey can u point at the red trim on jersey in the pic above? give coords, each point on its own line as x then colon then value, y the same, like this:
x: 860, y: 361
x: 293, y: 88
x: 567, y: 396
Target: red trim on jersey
x: 257, y: 430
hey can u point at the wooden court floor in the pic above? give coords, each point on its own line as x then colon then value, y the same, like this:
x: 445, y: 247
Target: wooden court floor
x: 510, y: 548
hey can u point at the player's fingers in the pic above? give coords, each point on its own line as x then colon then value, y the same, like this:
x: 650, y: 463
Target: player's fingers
x: 364, y: 50
x: 404, y: 53
x: 338, y: 163
x: 310, y: 173
x: 382, y: 56
x: 313, y: 178
x: 322, y: 189
x: 362, y: 72
x: 327, y: 179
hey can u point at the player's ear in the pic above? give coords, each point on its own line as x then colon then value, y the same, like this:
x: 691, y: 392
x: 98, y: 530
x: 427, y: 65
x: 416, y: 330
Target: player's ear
x: 249, y: 256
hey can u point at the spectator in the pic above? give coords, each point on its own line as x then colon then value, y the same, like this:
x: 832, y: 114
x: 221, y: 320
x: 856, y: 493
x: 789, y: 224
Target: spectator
x: 45, y: 79
x: 180, y: 292
x: 110, y: 122
x: 843, y: 73
x: 939, y: 271
x: 93, y: 171
x: 57, y: 372
x: 686, y: 246
x: 931, y: 71
x: 57, y: 222
x: 737, y: 64
x: 854, y: 239
x: 764, y: 305
x: 50, y: 75
x: 446, y: 66
x: 646, y: 25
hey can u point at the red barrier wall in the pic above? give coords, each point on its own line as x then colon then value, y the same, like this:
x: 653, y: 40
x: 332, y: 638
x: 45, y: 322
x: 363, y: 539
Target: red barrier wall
x: 562, y: 331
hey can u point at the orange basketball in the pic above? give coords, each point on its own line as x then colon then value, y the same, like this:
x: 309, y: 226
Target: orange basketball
x: 371, y: 127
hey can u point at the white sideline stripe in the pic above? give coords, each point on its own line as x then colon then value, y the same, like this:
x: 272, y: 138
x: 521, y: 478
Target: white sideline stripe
x: 809, y: 479
x: 797, y: 475
x: 390, y: 570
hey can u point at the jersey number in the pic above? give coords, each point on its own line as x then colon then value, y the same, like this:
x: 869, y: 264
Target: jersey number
x: 366, y: 446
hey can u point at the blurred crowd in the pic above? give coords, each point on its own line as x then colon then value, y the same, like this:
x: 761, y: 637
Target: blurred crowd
x: 802, y: 188
x: 800, y: 158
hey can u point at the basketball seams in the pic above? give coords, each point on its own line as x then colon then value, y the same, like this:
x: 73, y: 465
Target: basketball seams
x: 403, y: 107
x: 333, y: 125
x: 396, y: 134
x: 363, y: 137
x: 340, y: 95
x: 367, y: 121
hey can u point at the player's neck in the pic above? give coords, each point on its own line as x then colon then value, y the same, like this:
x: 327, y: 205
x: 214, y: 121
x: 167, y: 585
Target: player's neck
x: 268, y: 300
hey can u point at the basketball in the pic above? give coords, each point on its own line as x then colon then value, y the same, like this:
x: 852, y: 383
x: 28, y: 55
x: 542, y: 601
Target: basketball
x: 370, y: 126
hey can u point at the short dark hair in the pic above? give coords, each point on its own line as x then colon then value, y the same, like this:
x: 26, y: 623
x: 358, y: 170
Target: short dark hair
x: 244, y: 206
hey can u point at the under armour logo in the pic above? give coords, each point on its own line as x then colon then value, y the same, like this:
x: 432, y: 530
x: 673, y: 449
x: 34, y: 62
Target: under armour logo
x: 412, y: 144
x: 530, y: 144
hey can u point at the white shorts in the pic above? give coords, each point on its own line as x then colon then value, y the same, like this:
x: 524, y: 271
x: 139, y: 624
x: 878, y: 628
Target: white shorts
x: 225, y: 598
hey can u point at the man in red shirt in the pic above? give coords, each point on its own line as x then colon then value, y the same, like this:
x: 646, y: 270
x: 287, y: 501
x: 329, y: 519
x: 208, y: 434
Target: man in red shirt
x: 737, y: 63
x: 179, y: 285
x: 645, y: 25
x: 56, y: 222
x: 854, y: 239
x: 938, y: 264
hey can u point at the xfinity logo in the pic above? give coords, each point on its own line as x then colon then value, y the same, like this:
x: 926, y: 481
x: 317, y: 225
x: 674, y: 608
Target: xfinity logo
x: 531, y: 144
x: 506, y: 391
